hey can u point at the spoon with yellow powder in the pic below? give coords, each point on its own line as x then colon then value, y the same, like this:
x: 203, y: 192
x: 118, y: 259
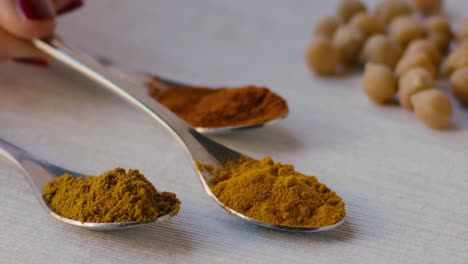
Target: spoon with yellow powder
x: 112, y: 201
x: 276, y: 197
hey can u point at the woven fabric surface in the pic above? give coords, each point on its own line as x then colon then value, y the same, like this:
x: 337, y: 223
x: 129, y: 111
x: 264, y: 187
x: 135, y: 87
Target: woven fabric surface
x: 404, y: 185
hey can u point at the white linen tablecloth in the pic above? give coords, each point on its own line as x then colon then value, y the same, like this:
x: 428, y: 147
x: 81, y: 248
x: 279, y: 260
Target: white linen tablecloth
x: 405, y: 186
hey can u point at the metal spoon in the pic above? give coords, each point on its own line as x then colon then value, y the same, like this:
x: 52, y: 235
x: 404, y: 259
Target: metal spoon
x: 201, y: 148
x: 164, y: 85
x: 40, y: 172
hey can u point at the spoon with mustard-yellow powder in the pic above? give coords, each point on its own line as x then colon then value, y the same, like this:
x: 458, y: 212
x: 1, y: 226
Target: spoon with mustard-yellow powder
x: 262, y: 192
x: 114, y: 200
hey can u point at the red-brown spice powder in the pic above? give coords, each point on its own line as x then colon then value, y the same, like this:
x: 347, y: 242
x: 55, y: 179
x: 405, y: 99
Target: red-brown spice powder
x: 208, y: 107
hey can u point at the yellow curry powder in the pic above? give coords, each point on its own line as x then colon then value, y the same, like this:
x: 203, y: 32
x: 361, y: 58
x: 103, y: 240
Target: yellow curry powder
x: 115, y: 196
x: 275, y: 193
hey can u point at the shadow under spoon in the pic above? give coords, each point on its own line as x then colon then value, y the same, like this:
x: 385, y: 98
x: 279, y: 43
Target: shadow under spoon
x: 40, y: 172
x: 200, y: 148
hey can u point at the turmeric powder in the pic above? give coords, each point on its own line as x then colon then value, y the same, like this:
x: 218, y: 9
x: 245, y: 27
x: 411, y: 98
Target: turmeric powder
x: 115, y: 196
x: 275, y: 193
x: 209, y: 108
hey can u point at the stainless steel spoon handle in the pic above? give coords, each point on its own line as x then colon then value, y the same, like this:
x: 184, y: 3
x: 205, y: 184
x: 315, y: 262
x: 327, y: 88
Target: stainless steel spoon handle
x: 200, y: 147
x: 11, y: 151
x: 131, y: 92
x: 43, y: 171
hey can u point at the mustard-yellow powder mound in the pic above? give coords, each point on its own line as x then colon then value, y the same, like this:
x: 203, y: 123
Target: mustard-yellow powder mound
x: 275, y: 193
x: 115, y: 196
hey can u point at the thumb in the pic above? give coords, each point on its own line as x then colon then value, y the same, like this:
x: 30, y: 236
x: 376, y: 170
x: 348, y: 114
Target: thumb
x: 27, y: 18
x: 21, y: 50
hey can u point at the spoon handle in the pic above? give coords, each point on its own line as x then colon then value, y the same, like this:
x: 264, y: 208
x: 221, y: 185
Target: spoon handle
x: 11, y: 151
x: 134, y: 93
x: 200, y: 147
x: 29, y: 165
x: 139, y: 76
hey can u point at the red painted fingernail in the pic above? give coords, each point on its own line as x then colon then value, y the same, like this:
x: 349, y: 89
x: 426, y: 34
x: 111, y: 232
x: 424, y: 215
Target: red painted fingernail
x: 32, y: 61
x: 70, y: 7
x: 35, y: 9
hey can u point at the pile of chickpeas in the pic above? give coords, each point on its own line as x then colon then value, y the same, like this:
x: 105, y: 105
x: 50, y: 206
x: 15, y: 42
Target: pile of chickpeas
x: 403, y: 46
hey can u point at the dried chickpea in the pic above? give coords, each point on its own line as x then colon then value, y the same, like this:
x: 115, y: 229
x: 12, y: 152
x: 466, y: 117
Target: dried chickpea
x: 462, y: 31
x: 441, y: 41
x: 456, y: 60
x: 426, y: 46
x: 346, y: 9
x: 326, y: 26
x: 412, y: 82
x: 438, y: 24
x: 427, y: 6
x: 463, y: 45
x: 379, y: 83
x: 381, y: 49
x: 348, y: 41
x: 459, y: 83
x: 321, y: 56
x: 415, y: 60
x: 433, y: 108
x: 387, y: 10
x: 405, y: 29
x: 448, y: 65
x: 367, y: 24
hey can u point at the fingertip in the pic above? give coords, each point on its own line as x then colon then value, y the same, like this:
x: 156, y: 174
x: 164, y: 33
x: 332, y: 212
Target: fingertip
x: 34, y: 61
x: 19, y: 49
x: 37, y: 29
x: 27, y: 18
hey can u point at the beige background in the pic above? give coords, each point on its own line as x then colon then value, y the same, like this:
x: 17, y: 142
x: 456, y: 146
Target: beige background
x: 405, y: 186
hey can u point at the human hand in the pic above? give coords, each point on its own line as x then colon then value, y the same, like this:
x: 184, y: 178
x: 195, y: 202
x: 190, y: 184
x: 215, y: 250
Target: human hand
x: 22, y: 20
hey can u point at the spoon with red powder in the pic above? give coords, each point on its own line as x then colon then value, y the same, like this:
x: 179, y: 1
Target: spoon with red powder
x: 207, y: 109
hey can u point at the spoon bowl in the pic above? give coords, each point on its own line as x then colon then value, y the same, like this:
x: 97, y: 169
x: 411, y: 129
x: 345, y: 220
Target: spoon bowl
x: 39, y: 173
x: 204, y: 176
x: 200, y: 148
